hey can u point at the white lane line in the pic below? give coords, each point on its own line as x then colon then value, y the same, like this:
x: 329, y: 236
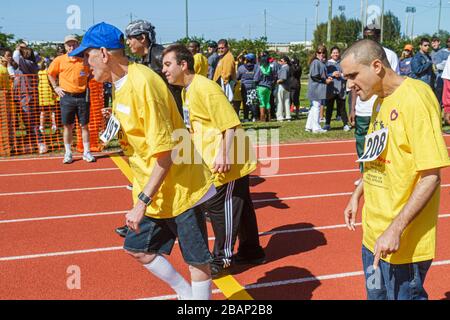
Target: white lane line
x: 297, y: 281
x: 76, y: 157
x: 310, y: 156
x: 59, y: 191
x: 263, y: 234
x: 304, y: 174
x: 74, y: 216
x: 306, y: 143
x: 56, y: 172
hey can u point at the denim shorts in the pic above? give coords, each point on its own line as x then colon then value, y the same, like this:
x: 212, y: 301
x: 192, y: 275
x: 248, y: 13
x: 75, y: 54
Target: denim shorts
x: 394, y: 281
x: 74, y: 106
x: 158, y: 236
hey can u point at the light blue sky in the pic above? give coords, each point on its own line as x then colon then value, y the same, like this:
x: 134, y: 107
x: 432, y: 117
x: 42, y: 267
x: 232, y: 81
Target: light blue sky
x: 45, y: 20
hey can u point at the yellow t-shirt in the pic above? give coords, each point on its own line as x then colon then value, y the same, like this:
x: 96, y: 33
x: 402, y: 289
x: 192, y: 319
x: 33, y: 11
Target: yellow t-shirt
x: 149, y: 117
x: 4, y: 78
x: 415, y: 143
x: 201, y: 65
x: 46, y: 94
x: 210, y: 115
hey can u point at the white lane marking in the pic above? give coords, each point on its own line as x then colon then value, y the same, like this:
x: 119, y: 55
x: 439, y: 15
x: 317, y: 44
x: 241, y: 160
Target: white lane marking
x: 310, y: 156
x: 267, y: 233
x: 56, y: 172
x: 74, y: 216
x: 306, y: 143
x: 76, y: 157
x: 59, y: 191
x: 304, y: 174
x: 296, y: 281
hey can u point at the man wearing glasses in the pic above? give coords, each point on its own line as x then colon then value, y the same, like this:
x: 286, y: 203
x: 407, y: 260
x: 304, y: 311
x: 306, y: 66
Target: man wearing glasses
x: 225, y: 74
x: 422, y: 65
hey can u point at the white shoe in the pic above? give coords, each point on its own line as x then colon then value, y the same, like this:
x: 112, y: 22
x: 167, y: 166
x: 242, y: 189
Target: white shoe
x: 68, y: 158
x: 88, y: 157
x: 347, y: 128
x: 308, y: 130
x: 42, y: 148
x: 322, y: 120
x: 320, y: 131
x: 54, y: 128
x: 41, y: 129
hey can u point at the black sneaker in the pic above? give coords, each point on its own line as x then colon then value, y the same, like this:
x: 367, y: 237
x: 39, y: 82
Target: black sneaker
x: 122, y: 231
x: 218, y: 270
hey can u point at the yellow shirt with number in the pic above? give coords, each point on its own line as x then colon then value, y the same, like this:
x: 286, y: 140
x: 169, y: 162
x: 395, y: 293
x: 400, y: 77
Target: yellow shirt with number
x: 210, y: 115
x: 414, y: 144
x: 149, y: 119
x: 201, y: 64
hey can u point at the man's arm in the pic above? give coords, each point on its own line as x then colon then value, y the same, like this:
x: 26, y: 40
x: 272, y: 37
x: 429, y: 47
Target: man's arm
x: 222, y: 164
x: 389, y: 241
x: 59, y: 91
x: 159, y: 173
x: 353, y: 108
x: 351, y: 210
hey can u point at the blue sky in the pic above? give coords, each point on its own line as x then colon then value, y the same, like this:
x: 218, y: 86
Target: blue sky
x: 45, y: 20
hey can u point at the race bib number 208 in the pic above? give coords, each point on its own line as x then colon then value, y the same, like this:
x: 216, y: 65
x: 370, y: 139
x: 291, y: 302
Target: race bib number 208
x: 375, y: 145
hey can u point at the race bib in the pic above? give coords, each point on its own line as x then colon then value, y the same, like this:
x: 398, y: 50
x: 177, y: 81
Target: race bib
x: 375, y: 145
x: 186, y: 117
x: 111, y: 131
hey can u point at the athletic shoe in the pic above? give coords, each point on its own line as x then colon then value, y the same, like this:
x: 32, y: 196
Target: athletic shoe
x: 240, y: 259
x: 322, y: 120
x: 308, y: 130
x: 129, y: 187
x: 347, y: 128
x: 42, y: 148
x: 320, y: 131
x: 54, y: 128
x: 88, y: 157
x: 122, y: 231
x: 41, y: 129
x: 327, y: 127
x: 218, y: 270
x: 68, y: 158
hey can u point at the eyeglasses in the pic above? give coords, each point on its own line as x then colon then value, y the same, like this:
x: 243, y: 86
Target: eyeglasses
x: 320, y: 52
x: 426, y: 45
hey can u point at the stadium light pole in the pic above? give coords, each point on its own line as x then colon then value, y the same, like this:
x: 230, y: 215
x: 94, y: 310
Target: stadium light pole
x: 439, y: 16
x: 187, y: 19
x: 382, y: 21
x: 317, y: 12
x: 330, y: 17
x: 93, y: 12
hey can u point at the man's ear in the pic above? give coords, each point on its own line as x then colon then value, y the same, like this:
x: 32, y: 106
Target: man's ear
x: 105, y: 55
x: 378, y: 66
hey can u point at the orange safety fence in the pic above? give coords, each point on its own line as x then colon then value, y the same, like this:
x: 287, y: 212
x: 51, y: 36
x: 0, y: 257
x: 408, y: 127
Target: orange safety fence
x: 30, y: 116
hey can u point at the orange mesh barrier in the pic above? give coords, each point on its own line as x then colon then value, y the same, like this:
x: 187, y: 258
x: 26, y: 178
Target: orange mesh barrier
x: 30, y: 116
x: 96, y: 122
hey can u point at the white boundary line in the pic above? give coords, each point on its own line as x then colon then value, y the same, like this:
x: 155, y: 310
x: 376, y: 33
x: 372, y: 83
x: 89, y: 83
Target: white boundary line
x: 76, y: 157
x: 56, y: 172
x: 59, y: 191
x: 267, y: 233
x: 310, y: 156
x: 73, y: 216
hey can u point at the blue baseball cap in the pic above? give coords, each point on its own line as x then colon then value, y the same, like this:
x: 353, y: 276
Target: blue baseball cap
x: 101, y: 35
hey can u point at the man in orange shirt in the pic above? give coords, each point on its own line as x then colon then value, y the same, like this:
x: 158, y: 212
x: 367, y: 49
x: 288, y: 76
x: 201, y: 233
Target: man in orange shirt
x: 72, y: 77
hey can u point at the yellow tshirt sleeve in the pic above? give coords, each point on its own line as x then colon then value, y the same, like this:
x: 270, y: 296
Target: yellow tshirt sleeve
x: 158, y: 124
x: 221, y: 112
x: 424, y: 130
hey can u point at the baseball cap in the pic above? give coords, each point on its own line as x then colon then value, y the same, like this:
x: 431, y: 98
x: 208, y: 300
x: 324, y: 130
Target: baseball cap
x: 138, y: 27
x: 409, y: 47
x: 70, y: 38
x: 250, y: 56
x: 101, y: 35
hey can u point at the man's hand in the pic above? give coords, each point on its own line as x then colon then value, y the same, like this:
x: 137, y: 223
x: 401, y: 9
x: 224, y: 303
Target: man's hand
x: 135, y: 216
x: 222, y: 164
x: 60, y: 92
x: 352, y: 118
x: 336, y: 74
x: 329, y: 80
x: 350, y: 213
x: 106, y: 113
x: 447, y: 118
x: 387, y: 243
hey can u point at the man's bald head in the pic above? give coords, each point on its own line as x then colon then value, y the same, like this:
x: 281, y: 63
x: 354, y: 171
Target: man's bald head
x: 366, y: 51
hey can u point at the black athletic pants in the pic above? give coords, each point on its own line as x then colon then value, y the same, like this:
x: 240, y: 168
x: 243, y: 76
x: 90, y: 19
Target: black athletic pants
x: 232, y: 213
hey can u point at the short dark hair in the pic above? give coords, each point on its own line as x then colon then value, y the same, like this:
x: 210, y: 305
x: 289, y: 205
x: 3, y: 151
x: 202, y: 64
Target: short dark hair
x: 335, y: 48
x: 4, y: 50
x: 423, y: 40
x: 195, y: 42
x: 223, y: 41
x: 435, y: 39
x: 182, y: 54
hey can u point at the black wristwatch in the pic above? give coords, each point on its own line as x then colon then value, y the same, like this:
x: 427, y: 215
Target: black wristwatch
x: 145, y: 199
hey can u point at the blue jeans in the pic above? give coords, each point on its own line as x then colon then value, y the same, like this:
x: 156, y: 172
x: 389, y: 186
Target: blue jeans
x: 394, y: 282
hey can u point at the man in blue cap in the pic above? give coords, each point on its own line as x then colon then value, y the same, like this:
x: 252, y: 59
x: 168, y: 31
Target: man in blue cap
x: 165, y: 195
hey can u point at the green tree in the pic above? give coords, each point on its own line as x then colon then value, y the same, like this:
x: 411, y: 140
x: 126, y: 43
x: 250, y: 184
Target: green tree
x: 6, y: 40
x: 343, y: 32
x: 302, y: 54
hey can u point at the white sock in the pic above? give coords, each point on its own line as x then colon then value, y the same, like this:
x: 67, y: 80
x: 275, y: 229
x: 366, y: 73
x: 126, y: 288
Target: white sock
x: 162, y: 268
x: 201, y: 290
x: 87, y: 147
x: 68, y: 148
